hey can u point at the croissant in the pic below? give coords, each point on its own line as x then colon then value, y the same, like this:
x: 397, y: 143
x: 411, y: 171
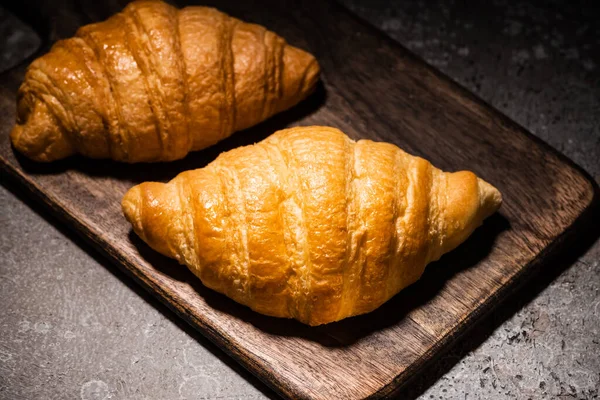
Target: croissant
x: 309, y: 224
x: 153, y: 83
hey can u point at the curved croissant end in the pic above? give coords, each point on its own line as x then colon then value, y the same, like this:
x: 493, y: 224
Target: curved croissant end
x: 37, y: 133
x: 153, y: 209
x: 309, y: 224
x: 468, y: 201
x: 153, y: 83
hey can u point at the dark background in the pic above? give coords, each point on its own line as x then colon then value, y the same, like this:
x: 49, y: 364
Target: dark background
x: 72, y: 326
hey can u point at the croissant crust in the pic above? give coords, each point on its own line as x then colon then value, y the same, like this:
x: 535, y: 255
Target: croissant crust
x: 153, y: 83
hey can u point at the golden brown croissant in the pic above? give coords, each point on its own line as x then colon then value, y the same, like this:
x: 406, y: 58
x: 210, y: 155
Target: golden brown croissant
x: 153, y: 82
x: 309, y: 224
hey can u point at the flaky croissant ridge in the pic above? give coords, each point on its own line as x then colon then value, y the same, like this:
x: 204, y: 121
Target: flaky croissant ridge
x: 309, y: 224
x: 152, y: 83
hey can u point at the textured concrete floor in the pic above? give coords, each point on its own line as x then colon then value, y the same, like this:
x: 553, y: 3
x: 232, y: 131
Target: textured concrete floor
x: 72, y: 326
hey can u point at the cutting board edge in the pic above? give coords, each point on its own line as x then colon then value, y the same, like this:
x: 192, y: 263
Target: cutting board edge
x: 514, y: 284
x: 472, y: 98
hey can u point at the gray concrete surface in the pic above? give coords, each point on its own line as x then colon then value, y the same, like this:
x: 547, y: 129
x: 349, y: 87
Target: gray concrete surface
x: 73, y: 327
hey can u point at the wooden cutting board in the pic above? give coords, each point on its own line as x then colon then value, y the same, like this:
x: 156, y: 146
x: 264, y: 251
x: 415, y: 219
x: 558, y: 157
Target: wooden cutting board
x: 371, y: 88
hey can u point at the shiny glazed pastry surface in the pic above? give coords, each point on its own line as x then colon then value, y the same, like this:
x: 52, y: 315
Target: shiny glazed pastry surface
x: 153, y: 83
x: 309, y: 224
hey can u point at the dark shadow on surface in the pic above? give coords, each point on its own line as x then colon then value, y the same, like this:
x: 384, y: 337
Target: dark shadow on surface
x: 350, y: 330
x: 469, y: 254
x: 220, y: 302
x: 526, y: 290
x: 149, y: 298
x: 164, y: 171
x: 22, y: 46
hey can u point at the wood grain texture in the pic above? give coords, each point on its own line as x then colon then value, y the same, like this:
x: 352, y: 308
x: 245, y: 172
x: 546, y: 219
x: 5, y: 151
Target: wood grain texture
x: 372, y: 88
